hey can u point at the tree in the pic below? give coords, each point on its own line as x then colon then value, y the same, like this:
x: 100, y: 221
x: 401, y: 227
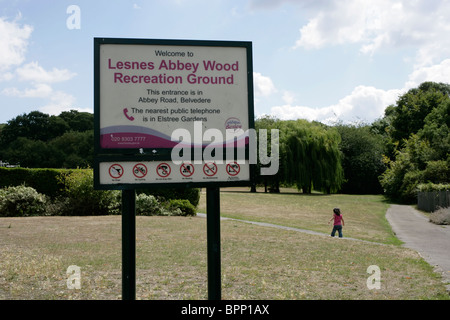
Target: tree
x: 33, y: 126
x: 436, y: 130
x: 28, y: 153
x: 73, y: 149
x: 362, y: 162
x: 311, y: 158
x: 78, y: 121
x: 420, y: 131
x: 37, y: 139
x: 409, y: 113
x: 271, y: 182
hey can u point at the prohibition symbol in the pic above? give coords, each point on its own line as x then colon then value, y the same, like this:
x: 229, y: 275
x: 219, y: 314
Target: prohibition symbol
x: 116, y: 171
x: 187, y: 169
x: 163, y: 170
x: 210, y: 169
x: 233, y: 168
x: 140, y: 170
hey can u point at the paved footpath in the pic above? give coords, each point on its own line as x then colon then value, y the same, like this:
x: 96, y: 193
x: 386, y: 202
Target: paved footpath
x: 431, y: 241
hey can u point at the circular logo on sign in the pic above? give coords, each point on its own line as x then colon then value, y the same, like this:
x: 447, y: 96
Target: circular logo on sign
x: 233, y: 123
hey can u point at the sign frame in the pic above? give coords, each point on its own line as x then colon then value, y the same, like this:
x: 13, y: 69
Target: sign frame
x: 104, y: 154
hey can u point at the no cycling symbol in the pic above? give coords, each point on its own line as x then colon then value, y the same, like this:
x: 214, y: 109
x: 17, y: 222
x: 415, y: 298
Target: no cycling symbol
x: 210, y: 169
x: 140, y: 170
x: 163, y: 170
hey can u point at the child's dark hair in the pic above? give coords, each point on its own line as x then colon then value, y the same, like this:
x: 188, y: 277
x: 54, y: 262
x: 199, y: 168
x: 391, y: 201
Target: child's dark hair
x: 337, y: 211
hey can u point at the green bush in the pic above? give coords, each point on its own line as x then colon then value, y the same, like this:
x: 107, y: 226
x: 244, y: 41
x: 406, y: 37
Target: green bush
x: 80, y: 198
x: 147, y: 205
x: 21, y: 201
x: 424, y: 187
x: 184, y: 206
x: 70, y: 192
x: 190, y: 194
x: 441, y: 216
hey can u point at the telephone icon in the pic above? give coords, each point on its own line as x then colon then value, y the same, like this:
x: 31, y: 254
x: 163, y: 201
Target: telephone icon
x: 125, y: 112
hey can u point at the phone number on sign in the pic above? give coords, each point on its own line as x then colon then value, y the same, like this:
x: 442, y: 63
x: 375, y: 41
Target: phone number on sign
x: 128, y: 139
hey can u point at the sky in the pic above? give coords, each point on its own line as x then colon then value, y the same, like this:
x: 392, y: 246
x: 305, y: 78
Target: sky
x: 324, y: 60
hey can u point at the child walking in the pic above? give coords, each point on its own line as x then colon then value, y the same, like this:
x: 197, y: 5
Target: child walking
x: 338, y: 222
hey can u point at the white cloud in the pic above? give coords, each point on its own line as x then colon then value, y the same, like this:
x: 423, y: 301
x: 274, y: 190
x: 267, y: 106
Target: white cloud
x: 35, y: 73
x: 14, y: 39
x: 376, y: 24
x: 38, y: 91
x: 40, y: 80
x: 59, y: 102
x: 288, y: 97
x: 364, y: 103
x: 263, y: 85
x: 270, y: 4
x: 6, y: 76
x: 436, y: 73
x: 13, y: 42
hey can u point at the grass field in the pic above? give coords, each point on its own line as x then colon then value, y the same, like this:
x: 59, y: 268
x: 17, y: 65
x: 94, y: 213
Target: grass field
x: 364, y: 215
x: 257, y: 262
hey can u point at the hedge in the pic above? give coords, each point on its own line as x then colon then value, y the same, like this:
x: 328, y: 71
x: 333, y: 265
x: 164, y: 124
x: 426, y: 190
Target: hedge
x: 50, y: 182
x: 45, y: 181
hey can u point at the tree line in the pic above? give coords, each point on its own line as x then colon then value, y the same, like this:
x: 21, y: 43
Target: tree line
x: 38, y: 140
x: 408, y: 146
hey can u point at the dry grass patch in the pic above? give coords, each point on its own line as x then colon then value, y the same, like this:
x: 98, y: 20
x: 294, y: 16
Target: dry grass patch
x: 364, y: 214
x: 257, y: 262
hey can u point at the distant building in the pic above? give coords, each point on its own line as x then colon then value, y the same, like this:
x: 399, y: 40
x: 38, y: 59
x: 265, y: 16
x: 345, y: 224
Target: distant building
x: 7, y: 165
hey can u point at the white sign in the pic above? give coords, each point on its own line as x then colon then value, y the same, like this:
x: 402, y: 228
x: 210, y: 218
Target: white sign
x: 147, y: 91
x: 192, y: 98
x: 155, y: 172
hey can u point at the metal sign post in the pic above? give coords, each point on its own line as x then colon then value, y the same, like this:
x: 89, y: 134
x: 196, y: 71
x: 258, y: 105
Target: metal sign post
x: 128, y: 245
x: 213, y: 238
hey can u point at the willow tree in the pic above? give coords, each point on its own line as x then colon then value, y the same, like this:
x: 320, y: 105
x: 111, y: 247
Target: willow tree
x: 310, y: 156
